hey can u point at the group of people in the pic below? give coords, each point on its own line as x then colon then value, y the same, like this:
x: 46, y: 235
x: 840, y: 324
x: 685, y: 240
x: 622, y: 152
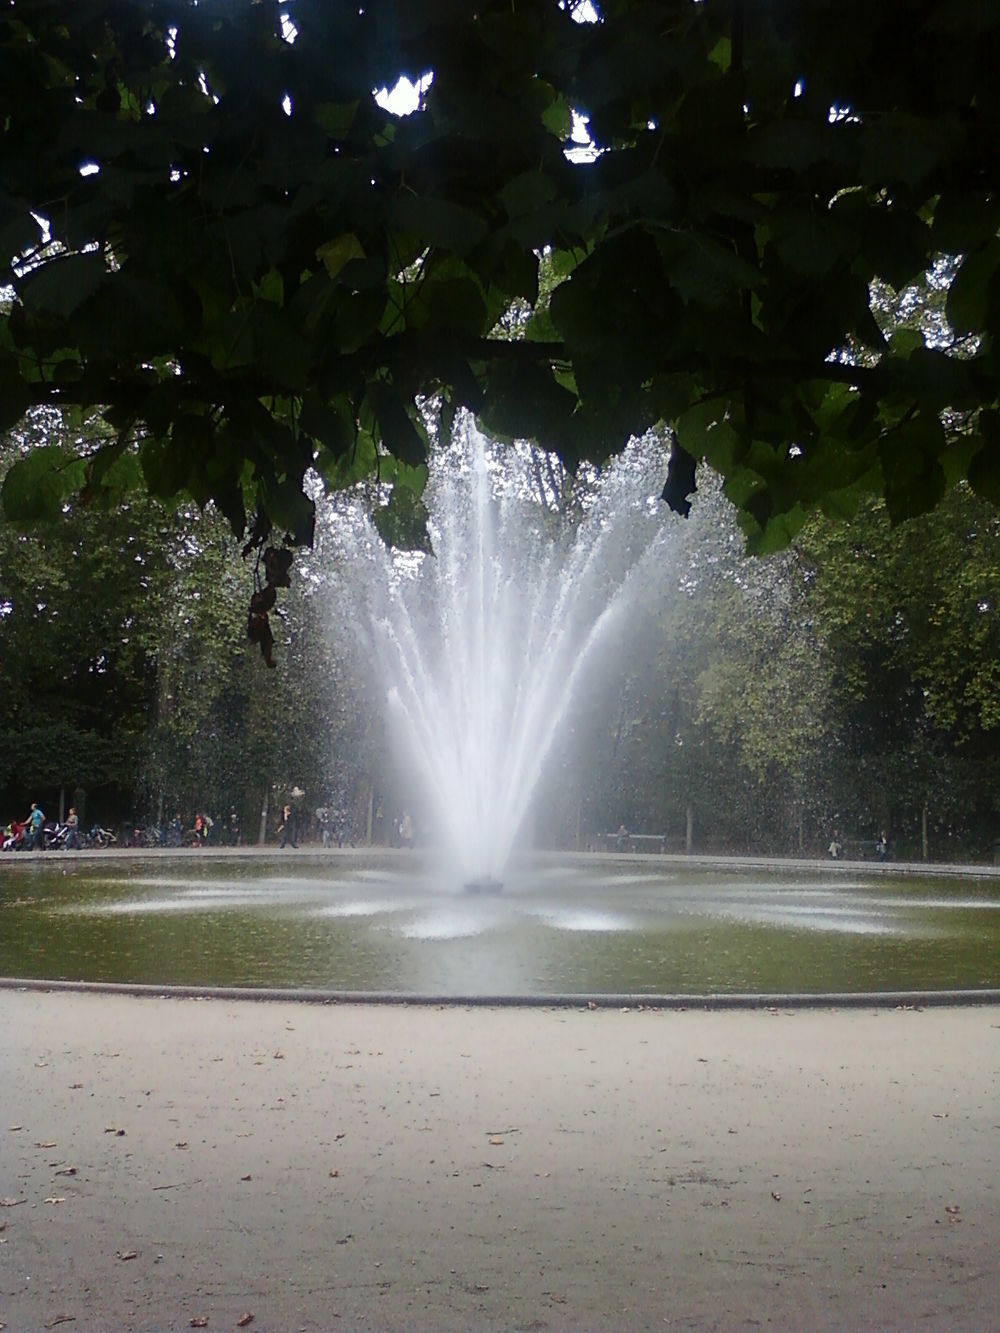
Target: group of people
x: 836, y: 848
x: 29, y: 834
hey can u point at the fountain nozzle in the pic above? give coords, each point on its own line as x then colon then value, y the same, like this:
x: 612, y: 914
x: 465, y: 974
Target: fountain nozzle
x: 484, y: 884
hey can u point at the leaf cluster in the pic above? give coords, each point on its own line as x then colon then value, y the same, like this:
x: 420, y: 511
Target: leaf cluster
x: 214, y: 235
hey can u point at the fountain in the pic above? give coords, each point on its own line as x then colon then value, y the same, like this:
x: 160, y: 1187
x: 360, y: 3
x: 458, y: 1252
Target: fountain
x: 480, y: 647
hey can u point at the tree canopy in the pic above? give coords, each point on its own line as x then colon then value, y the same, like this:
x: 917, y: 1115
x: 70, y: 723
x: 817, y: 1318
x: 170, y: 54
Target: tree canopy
x: 227, y: 263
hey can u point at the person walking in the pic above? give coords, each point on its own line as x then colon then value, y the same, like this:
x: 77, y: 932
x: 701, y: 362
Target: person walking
x: 287, y: 829
x: 72, y: 829
x: 36, y: 826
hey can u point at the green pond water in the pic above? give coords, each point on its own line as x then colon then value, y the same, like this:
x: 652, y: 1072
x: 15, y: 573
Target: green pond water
x: 351, y: 922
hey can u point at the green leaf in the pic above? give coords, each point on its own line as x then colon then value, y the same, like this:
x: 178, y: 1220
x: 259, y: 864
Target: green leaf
x: 402, y: 523
x: 15, y: 396
x: 964, y: 220
x: 984, y: 468
x: 911, y: 467
x: 527, y: 192
x: 36, y: 487
x: 969, y: 294
x: 331, y: 425
x: 705, y: 432
x: 271, y: 287
x: 792, y: 144
x: 703, y: 271
x: 63, y: 284
x: 336, y: 118
x: 439, y: 222
x: 333, y: 255
x: 399, y: 433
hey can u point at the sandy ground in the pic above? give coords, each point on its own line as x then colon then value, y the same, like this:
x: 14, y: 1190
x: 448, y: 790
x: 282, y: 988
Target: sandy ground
x: 164, y: 1161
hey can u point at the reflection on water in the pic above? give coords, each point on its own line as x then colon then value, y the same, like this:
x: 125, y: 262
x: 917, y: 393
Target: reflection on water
x: 355, y: 924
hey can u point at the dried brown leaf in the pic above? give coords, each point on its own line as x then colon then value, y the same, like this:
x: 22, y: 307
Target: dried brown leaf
x: 46, y: 1143
x: 198, y: 1321
x: 127, y: 1254
x: 244, y: 1320
x: 55, y: 1198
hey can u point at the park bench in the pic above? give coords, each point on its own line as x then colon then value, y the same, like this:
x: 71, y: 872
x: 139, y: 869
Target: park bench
x: 633, y: 842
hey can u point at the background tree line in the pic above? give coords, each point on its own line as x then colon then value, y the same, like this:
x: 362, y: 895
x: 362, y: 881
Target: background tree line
x: 852, y: 681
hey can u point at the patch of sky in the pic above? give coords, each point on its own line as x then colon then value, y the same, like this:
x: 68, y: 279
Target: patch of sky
x: 405, y: 96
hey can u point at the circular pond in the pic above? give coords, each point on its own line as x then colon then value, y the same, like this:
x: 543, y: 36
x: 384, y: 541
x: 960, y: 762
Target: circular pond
x: 562, y: 926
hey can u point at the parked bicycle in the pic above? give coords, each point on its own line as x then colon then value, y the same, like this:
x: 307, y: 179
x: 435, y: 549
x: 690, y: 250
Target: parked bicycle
x: 101, y: 837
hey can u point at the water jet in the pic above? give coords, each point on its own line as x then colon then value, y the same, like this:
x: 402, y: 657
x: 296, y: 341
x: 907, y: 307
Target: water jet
x: 481, y: 646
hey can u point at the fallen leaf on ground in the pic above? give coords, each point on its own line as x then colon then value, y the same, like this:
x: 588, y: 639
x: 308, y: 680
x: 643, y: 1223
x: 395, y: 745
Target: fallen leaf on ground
x: 244, y: 1319
x: 181, y: 1144
x: 73, y: 1087
x: 61, y: 1319
x: 15, y: 1128
x: 46, y: 1143
x: 198, y: 1321
x: 775, y: 1196
x: 279, y: 1055
x: 591, y: 1004
x: 344, y: 1239
x: 66, y: 1171
x: 55, y: 1198
x: 246, y: 1177
x: 496, y: 1141
x: 334, y: 1174
x: 10, y: 1203
x: 127, y: 1254
x: 341, y: 1135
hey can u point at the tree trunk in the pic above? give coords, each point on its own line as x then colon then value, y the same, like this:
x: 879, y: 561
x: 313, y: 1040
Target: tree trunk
x: 62, y: 805
x: 371, y: 813
x: 262, y: 831
x: 689, y: 828
x: 923, y: 834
